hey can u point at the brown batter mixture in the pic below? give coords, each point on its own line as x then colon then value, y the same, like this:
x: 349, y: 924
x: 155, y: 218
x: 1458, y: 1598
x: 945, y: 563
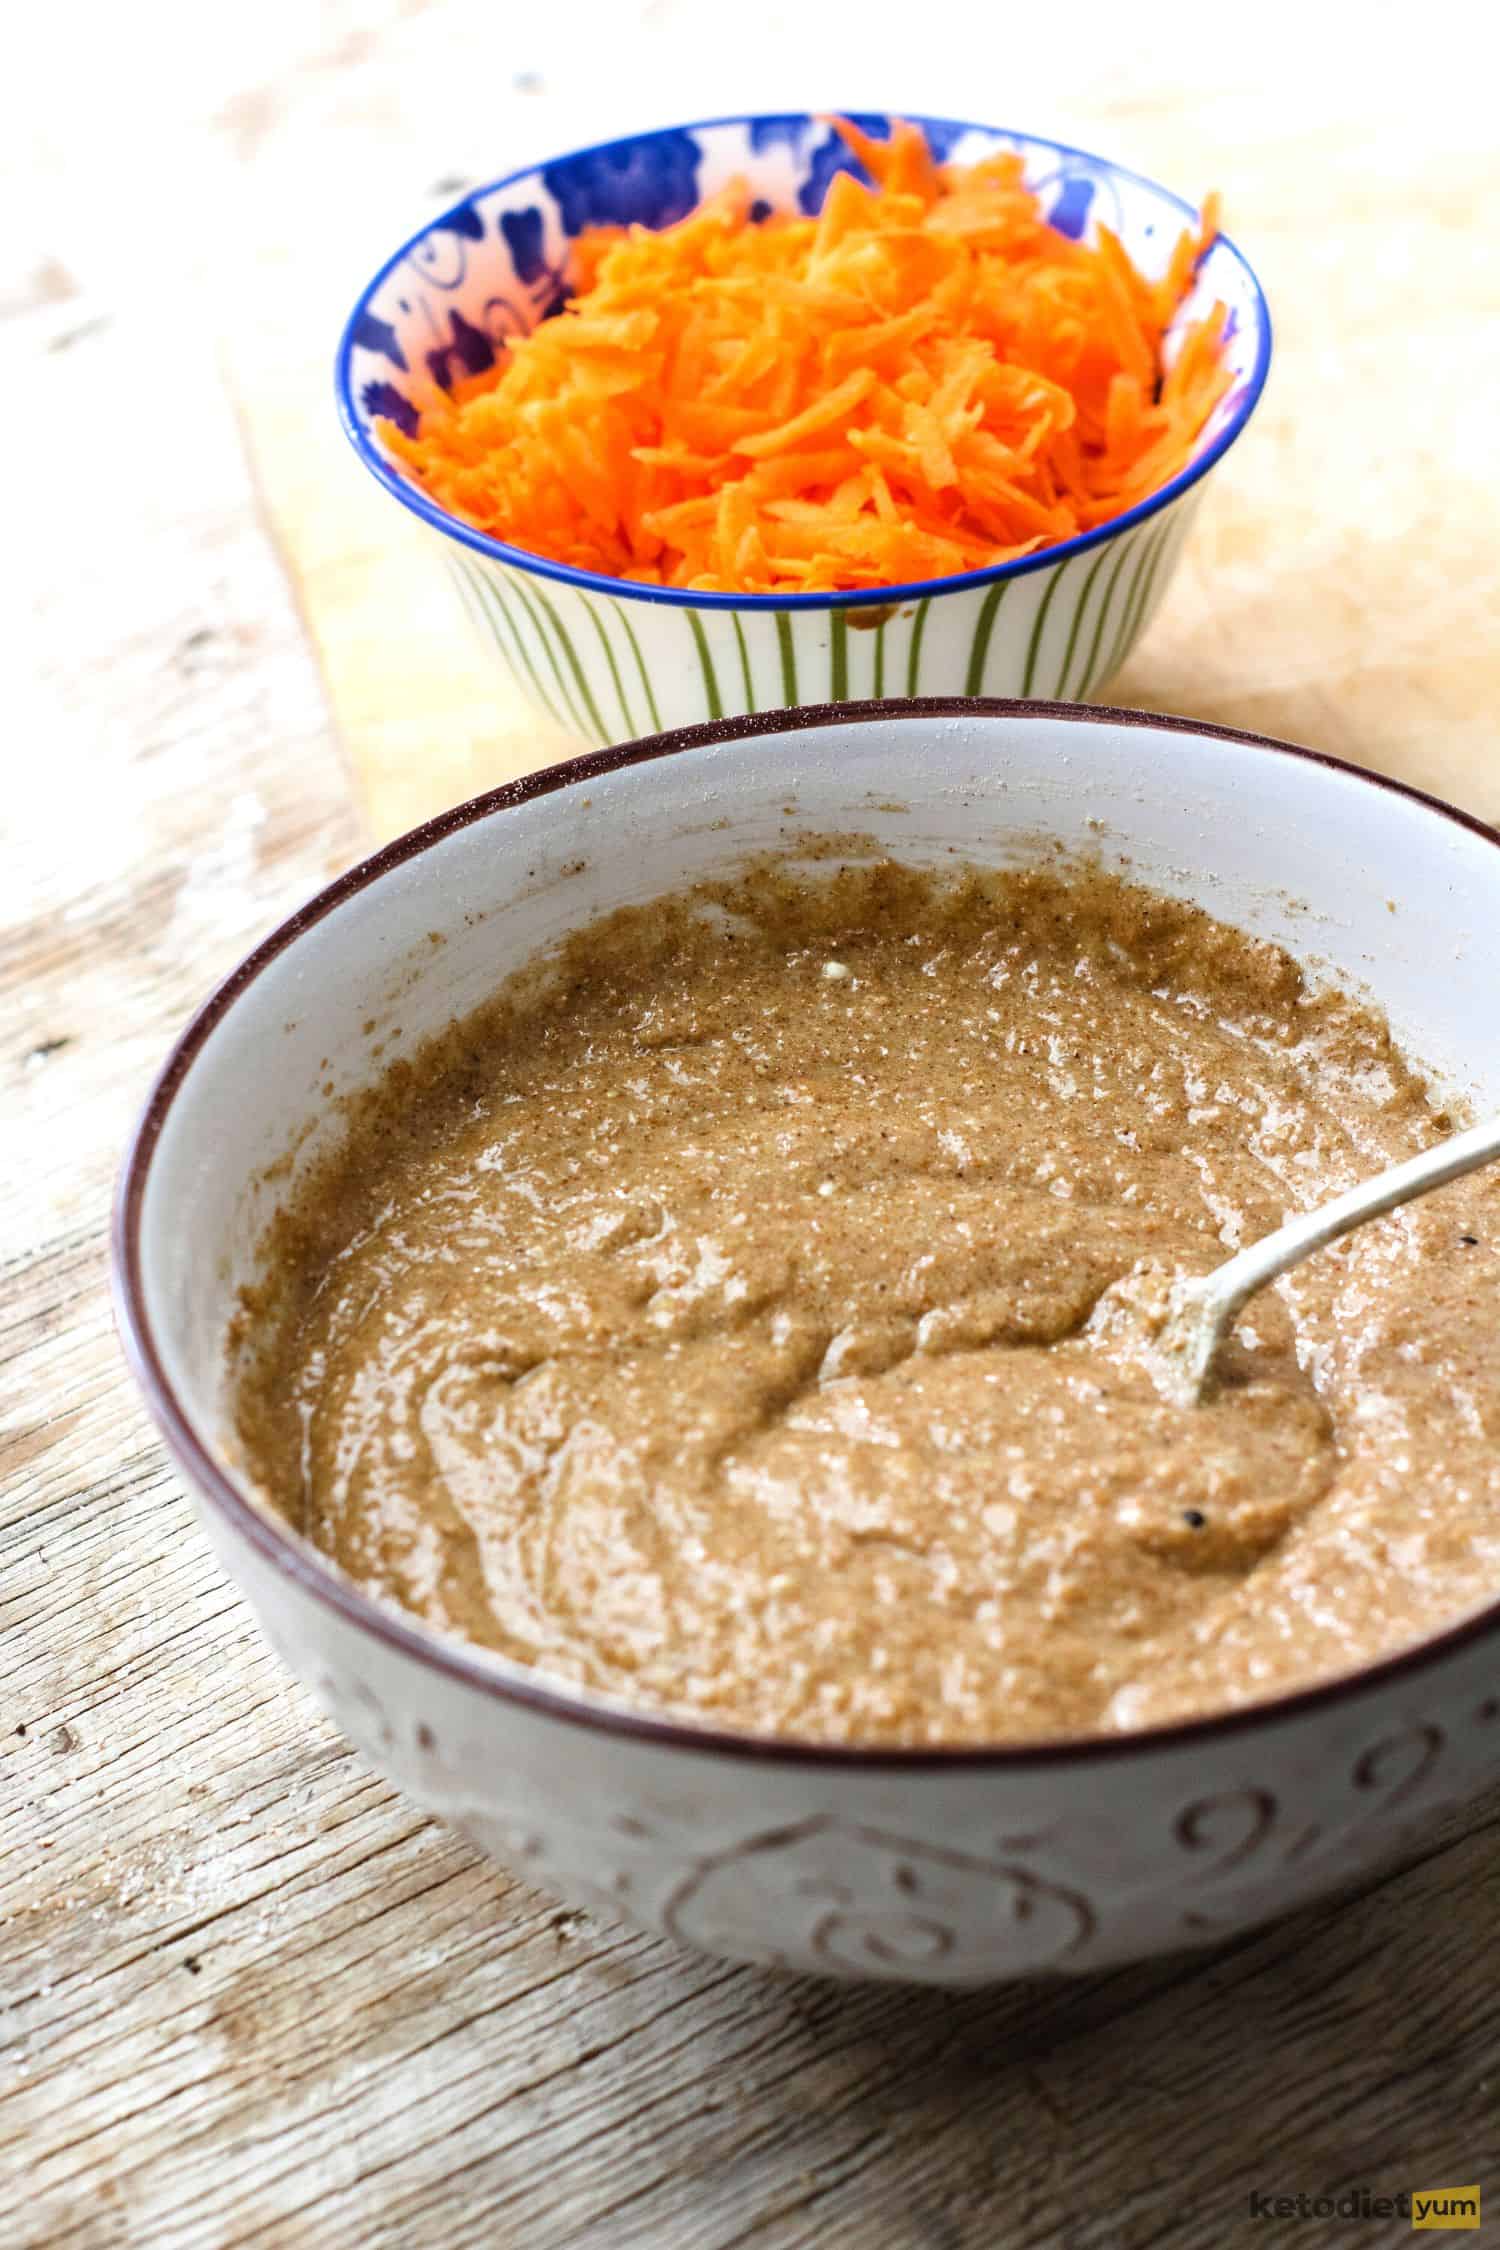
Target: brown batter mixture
x: 712, y: 1326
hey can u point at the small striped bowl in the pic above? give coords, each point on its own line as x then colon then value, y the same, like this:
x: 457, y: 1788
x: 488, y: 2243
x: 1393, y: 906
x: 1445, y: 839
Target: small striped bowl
x: 610, y: 660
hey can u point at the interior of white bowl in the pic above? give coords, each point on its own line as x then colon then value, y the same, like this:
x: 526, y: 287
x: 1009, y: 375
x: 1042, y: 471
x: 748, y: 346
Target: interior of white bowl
x: 1360, y: 880
x: 496, y: 264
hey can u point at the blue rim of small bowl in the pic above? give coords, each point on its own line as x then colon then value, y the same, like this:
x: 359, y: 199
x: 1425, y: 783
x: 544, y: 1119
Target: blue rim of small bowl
x: 683, y: 597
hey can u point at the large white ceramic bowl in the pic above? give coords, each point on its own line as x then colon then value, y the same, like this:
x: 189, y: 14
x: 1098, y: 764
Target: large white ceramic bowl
x: 607, y: 659
x: 948, y: 1867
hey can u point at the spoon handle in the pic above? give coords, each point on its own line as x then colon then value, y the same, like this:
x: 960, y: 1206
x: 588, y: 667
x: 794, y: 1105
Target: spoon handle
x: 1227, y: 1288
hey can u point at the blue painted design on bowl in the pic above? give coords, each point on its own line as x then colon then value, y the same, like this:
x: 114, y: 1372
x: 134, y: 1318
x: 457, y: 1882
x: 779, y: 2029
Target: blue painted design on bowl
x: 525, y: 239
x: 376, y: 335
x: 462, y: 219
x: 832, y: 155
x: 440, y: 258
x: 391, y: 405
x: 1080, y: 194
x: 829, y: 157
x: 468, y: 352
x: 649, y: 182
x: 778, y: 132
x: 1070, y: 213
x: 942, y: 134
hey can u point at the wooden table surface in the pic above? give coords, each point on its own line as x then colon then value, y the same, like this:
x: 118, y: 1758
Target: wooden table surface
x: 247, y: 1995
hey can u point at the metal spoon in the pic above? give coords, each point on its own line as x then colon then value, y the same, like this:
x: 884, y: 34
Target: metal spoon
x: 1201, y: 1309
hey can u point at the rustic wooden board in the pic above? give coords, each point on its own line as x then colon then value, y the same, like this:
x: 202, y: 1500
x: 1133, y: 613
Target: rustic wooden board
x: 248, y: 1996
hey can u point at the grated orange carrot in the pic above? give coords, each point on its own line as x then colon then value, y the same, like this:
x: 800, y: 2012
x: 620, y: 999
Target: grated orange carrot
x: 925, y: 378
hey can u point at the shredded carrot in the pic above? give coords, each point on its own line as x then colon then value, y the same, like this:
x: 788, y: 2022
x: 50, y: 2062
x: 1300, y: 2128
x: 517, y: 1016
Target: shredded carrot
x: 925, y: 378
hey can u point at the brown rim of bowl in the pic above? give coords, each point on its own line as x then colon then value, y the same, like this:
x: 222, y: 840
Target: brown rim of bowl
x: 506, y: 1679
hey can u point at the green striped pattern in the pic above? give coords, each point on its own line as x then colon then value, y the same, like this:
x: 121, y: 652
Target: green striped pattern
x: 640, y: 664
x: 608, y: 669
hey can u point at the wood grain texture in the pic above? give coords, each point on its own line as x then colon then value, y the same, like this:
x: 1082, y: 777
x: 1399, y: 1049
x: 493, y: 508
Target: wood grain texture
x: 247, y: 1996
